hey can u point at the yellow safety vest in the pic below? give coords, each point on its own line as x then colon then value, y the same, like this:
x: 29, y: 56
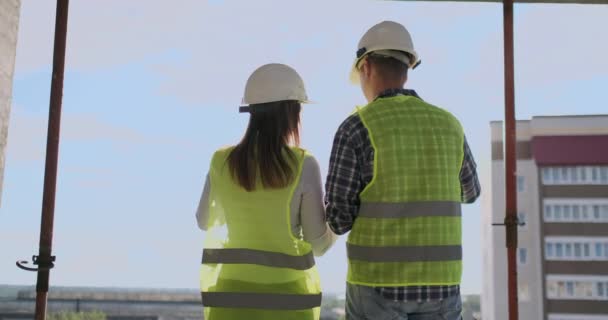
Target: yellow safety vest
x: 253, y: 267
x: 408, y: 230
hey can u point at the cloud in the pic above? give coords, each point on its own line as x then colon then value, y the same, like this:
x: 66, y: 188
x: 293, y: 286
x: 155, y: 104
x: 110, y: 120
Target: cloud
x: 88, y: 128
x: 553, y: 44
x: 101, y: 33
x: 27, y: 134
x: 319, y: 41
x: 206, y: 50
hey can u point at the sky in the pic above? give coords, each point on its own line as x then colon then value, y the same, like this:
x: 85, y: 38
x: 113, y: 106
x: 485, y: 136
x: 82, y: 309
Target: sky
x: 152, y: 89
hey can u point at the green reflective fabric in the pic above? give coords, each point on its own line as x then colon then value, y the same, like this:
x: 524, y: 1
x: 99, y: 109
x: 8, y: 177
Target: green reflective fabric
x: 419, y: 231
x: 418, y: 153
x: 388, y: 274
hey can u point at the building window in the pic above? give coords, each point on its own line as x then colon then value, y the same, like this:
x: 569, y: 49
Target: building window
x: 577, y: 287
x: 552, y: 289
x: 520, y: 183
x: 595, y: 174
x: 575, y: 175
x: 587, y: 289
x: 577, y: 250
x: 596, y: 211
x: 523, y: 256
x: 561, y: 289
x: 523, y: 292
x: 587, y: 250
x: 546, y: 172
x: 558, y: 212
x: 570, y: 289
x: 585, y: 212
x: 576, y: 210
x: 583, y: 172
x: 555, y: 174
x: 568, y: 247
x: 567, y: 212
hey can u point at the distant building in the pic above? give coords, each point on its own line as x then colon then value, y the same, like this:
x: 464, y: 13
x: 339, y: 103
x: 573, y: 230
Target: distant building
x: 116, y: 303
x: 562, y: 194
x: 9, y: 22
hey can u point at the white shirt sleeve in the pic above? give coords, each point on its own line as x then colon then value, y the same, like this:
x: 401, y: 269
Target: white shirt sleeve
x: 312, y: 212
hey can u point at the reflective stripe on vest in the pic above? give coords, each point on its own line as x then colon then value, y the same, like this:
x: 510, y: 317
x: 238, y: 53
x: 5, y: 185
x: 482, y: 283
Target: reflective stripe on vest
x: 270, y: 301
x: 404, y: 254
x: 259, y: 257
x: 410, y: 209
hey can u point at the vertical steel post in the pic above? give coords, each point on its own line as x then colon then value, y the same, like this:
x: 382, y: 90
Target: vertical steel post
x: 511, y: 222
x: 45, y: 259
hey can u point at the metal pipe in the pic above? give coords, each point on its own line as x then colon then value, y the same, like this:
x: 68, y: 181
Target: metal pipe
x: 511, y: 222
x: 52, y: 155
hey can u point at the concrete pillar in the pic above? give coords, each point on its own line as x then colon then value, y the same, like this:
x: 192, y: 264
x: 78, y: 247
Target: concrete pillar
x: 9, y: 23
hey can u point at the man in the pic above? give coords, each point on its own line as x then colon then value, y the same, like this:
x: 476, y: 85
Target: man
x: 398, y: 172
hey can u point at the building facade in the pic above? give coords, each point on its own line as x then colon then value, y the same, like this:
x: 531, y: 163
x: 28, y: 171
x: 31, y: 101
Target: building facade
x: 9, y: 22
x: 562, y: 194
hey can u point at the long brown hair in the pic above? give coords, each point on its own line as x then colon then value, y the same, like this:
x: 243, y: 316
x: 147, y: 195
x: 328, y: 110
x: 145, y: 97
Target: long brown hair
x: 264, y: 149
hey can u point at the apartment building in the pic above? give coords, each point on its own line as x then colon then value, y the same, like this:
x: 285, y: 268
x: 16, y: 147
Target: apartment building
x: 562, y: 194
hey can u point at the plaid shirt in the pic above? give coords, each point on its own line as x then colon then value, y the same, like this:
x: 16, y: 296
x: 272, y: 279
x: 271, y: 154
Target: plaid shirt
x: 351, y: 169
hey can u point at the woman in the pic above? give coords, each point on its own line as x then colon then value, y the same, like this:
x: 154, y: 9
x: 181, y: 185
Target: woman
x: 263, y: 212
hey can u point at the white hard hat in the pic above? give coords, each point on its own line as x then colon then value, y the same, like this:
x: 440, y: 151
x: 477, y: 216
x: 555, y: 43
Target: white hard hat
x: 387, y: 38
x: 274, y: 82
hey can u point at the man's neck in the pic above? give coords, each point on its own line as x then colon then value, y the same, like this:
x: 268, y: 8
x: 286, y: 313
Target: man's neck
x: 385, y: 89
x: 379, y: 89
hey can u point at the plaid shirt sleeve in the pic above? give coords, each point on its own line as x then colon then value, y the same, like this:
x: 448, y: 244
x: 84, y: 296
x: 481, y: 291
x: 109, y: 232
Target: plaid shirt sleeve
x: 344, y: 181
x: 469, y: 182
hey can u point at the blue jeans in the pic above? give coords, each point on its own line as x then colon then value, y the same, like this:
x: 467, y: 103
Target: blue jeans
x: 363, y: 303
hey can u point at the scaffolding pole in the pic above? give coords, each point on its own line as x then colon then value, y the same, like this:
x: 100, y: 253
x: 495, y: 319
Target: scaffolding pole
x: 45, y: 260
x: 510, y: 222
